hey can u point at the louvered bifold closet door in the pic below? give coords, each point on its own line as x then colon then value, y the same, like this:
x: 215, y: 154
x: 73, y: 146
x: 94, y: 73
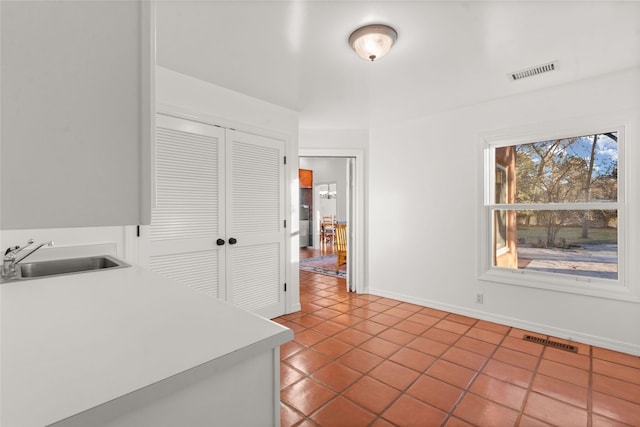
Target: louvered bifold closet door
x: 255, y: 219
x: 188, y: 217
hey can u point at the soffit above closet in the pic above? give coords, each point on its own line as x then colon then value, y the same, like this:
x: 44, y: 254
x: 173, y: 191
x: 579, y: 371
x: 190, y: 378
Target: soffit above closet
x: 448, y: 54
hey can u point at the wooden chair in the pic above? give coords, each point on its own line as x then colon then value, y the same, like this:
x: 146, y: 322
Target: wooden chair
x: 341, y: 245
x: 328, y: 229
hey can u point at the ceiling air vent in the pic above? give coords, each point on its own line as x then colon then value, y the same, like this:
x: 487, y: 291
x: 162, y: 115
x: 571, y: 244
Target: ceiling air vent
x: 533, y: 71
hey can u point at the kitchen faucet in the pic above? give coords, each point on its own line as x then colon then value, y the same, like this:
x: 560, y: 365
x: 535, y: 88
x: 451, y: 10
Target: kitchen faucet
x: 11, y: 257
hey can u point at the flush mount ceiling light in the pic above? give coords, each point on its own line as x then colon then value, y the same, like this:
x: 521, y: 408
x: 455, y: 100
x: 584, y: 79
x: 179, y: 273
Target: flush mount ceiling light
x: 372, y: 42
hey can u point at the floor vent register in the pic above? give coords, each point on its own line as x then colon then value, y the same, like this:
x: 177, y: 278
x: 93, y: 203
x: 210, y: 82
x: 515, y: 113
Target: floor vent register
x: 549, y: 343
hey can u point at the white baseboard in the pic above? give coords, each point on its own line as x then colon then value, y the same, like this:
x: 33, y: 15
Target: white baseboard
x: 580, y: 337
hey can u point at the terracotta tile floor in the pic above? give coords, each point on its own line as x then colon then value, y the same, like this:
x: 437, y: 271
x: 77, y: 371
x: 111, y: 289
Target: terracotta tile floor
x: 363, y: 360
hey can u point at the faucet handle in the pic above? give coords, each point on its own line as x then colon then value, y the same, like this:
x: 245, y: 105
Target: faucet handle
x: 17, y: 248
x: 11, y: 249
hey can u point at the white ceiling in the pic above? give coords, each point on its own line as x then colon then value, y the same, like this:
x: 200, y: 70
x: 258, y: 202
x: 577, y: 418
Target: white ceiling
x: 448, y: 54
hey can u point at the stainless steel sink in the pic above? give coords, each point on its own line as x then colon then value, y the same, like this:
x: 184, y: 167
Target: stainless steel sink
x: 59, y: 267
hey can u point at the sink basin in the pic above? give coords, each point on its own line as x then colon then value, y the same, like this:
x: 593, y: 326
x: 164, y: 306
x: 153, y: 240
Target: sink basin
x: 34, y: 270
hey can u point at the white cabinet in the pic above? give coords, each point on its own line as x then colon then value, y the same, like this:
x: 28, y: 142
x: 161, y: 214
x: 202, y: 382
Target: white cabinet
x: 76, y: 112
x: 218, y: 216
x: 230, y: 394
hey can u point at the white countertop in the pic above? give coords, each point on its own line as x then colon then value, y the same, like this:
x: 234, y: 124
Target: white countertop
x: 73, y: 342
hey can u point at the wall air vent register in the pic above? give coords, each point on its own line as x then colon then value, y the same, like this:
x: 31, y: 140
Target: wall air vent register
x: 533, y: 71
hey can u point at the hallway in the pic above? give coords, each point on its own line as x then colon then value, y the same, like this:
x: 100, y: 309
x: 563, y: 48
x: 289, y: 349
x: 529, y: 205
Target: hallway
x: 360, y: 360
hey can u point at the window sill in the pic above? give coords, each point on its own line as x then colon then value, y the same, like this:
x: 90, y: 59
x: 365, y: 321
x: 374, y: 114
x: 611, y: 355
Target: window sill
x: 502, y: 251
x: 585, y: 286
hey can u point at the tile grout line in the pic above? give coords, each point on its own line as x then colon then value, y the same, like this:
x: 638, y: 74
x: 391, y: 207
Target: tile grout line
x: 378, y: 416
x: 387, y: 327
x: 337, y: 298
x: 530, y: 386
x: 306, y: 417
x: 475, y: 376
x: 420, y: 373
x: 337, y: 394
x: 449, y: 414
x: 590, y: 390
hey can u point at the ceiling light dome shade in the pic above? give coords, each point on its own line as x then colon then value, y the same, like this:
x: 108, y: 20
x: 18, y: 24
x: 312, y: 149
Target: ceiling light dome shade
x: 372, y: 42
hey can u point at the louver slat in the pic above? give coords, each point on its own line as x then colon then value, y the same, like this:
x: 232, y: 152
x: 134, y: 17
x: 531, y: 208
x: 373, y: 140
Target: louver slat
x: 190, y: 269
x: 186, y: 186
x: 256, y: 276
x: 256, y: 188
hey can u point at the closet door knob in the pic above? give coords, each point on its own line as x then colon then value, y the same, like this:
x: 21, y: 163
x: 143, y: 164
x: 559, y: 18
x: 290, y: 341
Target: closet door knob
x: 220, y: 242
x: 232, y: 241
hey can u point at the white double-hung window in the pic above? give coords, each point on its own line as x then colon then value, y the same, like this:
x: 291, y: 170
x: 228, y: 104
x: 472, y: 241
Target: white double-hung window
x: 553, y: 210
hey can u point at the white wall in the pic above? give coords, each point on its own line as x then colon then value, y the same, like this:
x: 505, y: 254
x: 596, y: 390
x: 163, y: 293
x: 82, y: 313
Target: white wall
x: 228, y: 107
x: 424, y: 180
x: 334, y: 138
x: 189, y: 96
x: 80, y: 241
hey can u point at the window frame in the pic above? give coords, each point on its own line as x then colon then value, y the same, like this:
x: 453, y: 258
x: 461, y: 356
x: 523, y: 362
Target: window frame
x: 607, y: 288
x: 504, y: 249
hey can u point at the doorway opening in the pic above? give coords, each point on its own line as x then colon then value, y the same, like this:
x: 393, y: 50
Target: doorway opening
x: 331, y: 207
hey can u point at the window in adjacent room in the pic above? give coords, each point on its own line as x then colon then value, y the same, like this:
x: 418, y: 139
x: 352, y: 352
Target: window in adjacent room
x: 553, y: 209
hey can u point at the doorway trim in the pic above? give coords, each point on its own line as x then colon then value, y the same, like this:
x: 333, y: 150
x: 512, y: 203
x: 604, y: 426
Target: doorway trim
x: 356, y: 249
